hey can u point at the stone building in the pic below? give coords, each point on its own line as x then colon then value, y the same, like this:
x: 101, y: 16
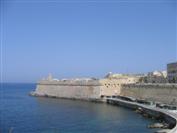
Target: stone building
x: 172, y: 72
x: 156, y: 77
x: 112, y: 83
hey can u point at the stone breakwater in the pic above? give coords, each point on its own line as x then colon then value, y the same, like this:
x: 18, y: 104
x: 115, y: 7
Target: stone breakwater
x: 164, y: 93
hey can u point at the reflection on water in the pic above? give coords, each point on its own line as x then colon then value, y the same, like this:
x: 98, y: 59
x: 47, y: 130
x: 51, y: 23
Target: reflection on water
x: 48, y: 115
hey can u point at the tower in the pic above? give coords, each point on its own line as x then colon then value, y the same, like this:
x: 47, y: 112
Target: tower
x: 49, y: 78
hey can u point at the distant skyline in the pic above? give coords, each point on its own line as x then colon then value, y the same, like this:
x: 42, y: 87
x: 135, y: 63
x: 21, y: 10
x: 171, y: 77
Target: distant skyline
x: 85, y: 38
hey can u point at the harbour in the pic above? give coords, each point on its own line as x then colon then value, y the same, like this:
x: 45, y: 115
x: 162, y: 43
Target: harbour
x: 23, y: 113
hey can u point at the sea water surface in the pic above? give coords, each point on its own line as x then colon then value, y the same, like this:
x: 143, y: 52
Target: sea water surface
x: 21, y: 113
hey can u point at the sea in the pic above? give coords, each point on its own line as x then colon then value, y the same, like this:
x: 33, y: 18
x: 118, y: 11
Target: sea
x: 21, y: 113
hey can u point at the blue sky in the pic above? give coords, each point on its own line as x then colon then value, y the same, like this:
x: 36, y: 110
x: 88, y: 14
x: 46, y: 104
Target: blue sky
x: 86, y: 38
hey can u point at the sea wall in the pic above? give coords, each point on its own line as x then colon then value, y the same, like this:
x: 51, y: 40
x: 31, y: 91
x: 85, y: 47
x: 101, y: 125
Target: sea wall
x: 149, y: 111
x: 165, y: 93
x: 95, y: 89
x: 81, y: 90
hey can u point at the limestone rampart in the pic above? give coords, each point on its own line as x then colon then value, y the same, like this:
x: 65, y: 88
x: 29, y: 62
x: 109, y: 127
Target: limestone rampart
x: 164, y: 93
x: 68, y: 89
x: 95, y: 89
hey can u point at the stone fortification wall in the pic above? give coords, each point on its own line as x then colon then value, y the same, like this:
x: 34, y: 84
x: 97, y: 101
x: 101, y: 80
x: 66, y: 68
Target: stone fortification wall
x: 82, y: 88
x: 69, y: 89
x: 112, y: 86
x: 165, y: 93
x: 71, y: 82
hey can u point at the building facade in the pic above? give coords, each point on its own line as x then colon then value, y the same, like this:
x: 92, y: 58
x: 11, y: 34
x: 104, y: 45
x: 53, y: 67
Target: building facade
x: 111, y: 85
x: 172, y: 72
x: 156, y: 77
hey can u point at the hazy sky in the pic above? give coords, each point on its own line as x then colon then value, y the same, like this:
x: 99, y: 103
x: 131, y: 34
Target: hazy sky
x: 80, y: 38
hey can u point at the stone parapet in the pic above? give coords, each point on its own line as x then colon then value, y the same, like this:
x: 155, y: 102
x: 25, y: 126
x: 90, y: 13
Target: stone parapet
x: 150, y: 85
x: 71, y: 82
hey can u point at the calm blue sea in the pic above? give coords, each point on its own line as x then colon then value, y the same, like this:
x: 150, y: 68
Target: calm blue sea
x: 20, y: 113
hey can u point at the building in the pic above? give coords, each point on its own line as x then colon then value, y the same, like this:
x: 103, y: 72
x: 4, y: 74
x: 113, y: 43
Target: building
x: 156, y: 77
x: 112, y: 83
x: 172, y: 72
